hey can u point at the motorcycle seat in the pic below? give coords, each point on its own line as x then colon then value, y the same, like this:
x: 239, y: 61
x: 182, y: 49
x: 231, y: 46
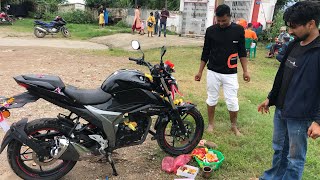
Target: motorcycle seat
x: 47, y: 81
x: 87, y: 96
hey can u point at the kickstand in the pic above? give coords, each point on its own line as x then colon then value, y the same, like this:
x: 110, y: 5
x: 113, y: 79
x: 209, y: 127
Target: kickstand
x: 112, y: 165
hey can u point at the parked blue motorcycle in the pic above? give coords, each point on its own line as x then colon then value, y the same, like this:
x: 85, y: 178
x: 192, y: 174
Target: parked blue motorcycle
x: 41, y: 29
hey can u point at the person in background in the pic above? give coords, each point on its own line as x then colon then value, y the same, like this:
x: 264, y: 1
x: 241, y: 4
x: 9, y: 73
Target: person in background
x: 295, y: 93
x: 282, y: 50
x: 157, y: 18
x: 163, y: 21
x: 257, y: 27
x: 101, y: 19
x: 141, y: 32
x: 224, y: 44
x: 249, y: 33
x: 242, y: 22
x: 106, y: 17
x: 278, y: 42
x: 136, y: 21
x: 151, y: 23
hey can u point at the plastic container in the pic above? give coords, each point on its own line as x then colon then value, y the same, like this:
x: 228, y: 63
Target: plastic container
x: 213, y: 165
x: 188, y: 171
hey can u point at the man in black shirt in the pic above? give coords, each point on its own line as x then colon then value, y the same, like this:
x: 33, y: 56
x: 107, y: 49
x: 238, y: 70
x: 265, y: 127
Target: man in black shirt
x: 163, y: 21
x: 296, y: 94
x: 224, y: 43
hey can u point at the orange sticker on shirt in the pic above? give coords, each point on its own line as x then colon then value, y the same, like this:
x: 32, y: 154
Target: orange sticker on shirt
x: 232, y: 57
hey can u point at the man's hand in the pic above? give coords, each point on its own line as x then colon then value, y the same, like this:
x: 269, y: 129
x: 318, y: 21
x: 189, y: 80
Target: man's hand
x: 264, y: 107
x: 246, y: 76
x: 197, y: 77
x: 314, y: 130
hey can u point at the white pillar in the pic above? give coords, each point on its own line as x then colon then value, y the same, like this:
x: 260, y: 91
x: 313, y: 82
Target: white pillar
x: 210, y: 12
x: 181, y: 5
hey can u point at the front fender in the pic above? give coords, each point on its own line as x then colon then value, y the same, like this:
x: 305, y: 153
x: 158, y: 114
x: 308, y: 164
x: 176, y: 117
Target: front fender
x: 6, y: 140
x: 182, y: 110
x: 185, y: 108
x: 10, y: 135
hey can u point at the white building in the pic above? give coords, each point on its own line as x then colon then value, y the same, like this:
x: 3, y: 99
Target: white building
x: 197, y: 15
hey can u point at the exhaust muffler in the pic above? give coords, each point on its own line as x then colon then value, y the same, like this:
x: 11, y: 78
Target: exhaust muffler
x: 72, y: 151
x: 41, y: 29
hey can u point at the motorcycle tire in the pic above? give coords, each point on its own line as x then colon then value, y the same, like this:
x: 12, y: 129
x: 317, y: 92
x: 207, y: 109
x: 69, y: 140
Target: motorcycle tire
x: 19, y: 164
x: 191, y: 144
x: 39, y: 34
x: 65, y: 32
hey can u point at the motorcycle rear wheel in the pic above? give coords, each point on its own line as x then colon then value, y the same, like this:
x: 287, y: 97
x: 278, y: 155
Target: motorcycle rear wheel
x: 28, y: 165
x: 193, y: 121
x: 39, y: 34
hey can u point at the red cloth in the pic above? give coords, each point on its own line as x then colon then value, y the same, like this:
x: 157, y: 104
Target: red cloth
x: 134, y: 27
x: 256, y: 24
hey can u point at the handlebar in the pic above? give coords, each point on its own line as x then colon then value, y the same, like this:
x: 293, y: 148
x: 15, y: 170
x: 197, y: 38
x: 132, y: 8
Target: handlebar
x: 134, y: 59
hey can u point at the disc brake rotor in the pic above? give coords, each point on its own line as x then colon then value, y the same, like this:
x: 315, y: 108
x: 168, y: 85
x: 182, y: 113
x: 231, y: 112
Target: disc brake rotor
x: 178, y: 136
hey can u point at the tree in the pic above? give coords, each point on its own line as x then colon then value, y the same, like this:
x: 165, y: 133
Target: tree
x: 281, y: 4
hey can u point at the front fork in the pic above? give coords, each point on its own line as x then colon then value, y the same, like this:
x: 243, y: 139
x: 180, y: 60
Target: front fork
x: 175, y: 113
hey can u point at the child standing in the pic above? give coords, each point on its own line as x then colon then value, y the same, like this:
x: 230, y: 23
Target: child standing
x: 150, y: 23
x: 142, y: 28
x: 101, y: 19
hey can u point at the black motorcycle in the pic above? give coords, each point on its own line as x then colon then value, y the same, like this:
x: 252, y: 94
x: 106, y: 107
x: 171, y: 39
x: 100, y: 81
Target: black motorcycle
x: 41, y: 29
x: 115, y: 115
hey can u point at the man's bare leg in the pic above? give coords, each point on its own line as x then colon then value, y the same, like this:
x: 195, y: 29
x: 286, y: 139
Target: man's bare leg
x: 233, y: 118
x: 211, y: 111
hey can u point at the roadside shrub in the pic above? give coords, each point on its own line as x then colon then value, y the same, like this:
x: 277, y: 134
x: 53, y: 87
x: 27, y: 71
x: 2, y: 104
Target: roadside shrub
x: 49, y: 16
x: 76, y: 17
x: 79, y: 17
x: 276, y: 25
x: 122, y: 23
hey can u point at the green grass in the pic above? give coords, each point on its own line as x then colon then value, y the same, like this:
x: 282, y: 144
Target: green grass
x: 246, y: 156
x: 78, y: 31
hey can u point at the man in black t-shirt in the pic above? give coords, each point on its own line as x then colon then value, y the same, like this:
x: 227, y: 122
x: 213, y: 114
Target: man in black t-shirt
x: 163, y: 21
x: 295, y: 93
x: 224, y: 43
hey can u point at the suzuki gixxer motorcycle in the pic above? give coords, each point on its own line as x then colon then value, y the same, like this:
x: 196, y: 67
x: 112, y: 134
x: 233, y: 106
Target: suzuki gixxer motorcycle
x: 41, y: 29
x: 115, y: 115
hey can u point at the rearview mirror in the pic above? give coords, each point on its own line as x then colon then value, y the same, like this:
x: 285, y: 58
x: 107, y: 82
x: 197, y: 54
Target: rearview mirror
x: 135, y: 45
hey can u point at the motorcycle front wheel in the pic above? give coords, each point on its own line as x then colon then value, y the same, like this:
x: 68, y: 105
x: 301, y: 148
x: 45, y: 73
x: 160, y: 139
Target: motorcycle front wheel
x: 171, y: 140
x: 39, y: 34
x: 27, y: 164
x: 65, y: 32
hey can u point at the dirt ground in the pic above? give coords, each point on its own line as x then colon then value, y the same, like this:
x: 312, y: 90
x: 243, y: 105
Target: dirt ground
x: 84, y: 70
x: 122, y: 41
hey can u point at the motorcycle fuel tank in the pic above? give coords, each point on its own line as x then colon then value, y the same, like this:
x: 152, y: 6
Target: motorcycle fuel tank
x: 126, y: 79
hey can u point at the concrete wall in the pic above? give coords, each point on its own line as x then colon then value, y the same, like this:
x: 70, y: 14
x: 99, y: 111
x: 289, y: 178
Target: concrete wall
x: 71, y: 7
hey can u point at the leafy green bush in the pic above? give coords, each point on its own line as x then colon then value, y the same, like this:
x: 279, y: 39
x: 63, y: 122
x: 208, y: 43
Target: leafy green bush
x: 76, y: 17
x: 122, y: 23
x: 49, y: 16
x: 79, y: 17
x: 276, y: 25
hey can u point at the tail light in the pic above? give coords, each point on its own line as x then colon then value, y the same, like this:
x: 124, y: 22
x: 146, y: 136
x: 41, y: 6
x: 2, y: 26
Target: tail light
x: 24, y: 85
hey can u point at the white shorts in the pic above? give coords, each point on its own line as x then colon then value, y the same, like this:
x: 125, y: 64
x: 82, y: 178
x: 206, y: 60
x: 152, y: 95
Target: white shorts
x: 230, y: 87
